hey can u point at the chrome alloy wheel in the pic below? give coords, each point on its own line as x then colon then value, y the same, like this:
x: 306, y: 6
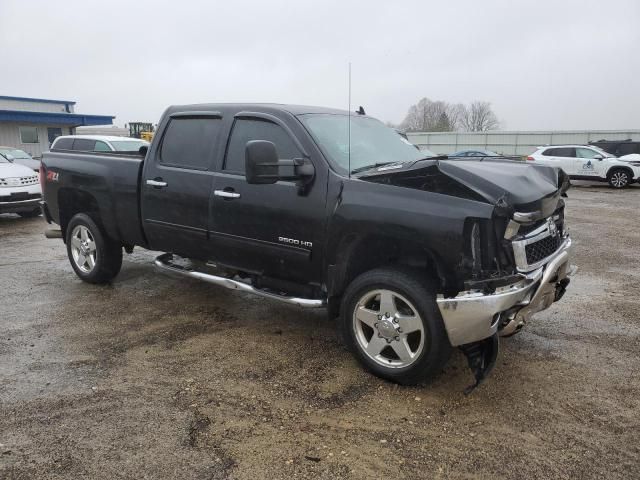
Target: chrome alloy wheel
x: 83, y: 248
x: 388, y: 328
x: 619, y: 179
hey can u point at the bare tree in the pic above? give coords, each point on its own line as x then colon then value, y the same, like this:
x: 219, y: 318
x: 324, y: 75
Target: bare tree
x: 438, y: 116
x: 478, y: 117
x: 431, y: 116
x: 455, y: 113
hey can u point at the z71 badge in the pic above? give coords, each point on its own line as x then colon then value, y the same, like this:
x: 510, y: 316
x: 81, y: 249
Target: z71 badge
x: 297, y: 243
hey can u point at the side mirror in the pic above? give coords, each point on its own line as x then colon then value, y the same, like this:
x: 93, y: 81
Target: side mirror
x: 142, y: 151
x: 261, y: 162
x: 598, y: 157
x: 262, y: 165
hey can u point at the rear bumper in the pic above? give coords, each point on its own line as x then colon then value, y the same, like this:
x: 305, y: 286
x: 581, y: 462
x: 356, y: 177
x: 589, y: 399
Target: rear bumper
x: 473, y: 316
x: 45, y: 211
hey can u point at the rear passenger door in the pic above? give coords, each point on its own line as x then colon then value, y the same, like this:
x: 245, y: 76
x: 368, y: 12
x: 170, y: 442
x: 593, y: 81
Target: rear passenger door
x: 176, y: 184
x: 267, y: 229
x: 563, y: 157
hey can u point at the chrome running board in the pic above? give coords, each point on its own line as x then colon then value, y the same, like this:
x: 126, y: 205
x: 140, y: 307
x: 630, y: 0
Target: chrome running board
x: 164, y: 262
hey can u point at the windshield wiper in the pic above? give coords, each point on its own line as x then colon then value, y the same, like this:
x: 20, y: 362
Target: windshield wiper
x: 372, y: 166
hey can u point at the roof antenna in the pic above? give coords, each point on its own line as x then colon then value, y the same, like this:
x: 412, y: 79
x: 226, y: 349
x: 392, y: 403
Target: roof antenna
x: 349, y: 128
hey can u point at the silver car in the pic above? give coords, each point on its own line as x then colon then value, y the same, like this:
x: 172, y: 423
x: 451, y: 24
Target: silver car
x: 19, y: 157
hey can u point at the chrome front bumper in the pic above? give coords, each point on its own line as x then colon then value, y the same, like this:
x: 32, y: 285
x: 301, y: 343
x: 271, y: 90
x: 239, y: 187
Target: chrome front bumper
x: 473, y: 316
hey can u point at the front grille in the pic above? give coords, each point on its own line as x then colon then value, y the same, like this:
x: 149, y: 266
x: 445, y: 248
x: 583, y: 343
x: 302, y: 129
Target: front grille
x: 542, y: 248
x: 18, y: 181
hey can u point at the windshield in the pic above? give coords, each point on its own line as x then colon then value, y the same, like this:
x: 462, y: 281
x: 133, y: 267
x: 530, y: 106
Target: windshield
x: 604, y: 153
x: 372, y: 143
x: 128, y: 145
x: 14, y: 153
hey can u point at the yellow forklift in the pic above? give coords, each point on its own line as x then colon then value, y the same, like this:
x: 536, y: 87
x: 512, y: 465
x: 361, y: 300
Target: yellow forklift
x: 141, y: 130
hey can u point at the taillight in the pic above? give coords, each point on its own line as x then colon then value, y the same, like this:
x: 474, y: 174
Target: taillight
x: 42, y: 176
x: 530, y: 158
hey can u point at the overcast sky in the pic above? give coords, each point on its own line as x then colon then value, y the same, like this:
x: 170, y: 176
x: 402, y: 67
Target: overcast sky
x: 541, y: 64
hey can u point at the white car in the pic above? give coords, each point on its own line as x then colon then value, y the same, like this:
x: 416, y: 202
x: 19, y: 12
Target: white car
x: 98, y: 143
x: 20, y: 157
x: 20, y: 190
x: 582, y: 162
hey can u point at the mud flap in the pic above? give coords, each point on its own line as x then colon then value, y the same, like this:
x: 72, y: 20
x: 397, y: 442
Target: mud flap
x: 561, y: 288
x: 482, y: 357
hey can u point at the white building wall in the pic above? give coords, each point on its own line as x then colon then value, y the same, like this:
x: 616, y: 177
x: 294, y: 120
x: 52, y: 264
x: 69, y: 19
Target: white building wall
x: 34, y: 106
x: 10, y: 137
x: 512, y: 143
x: 103, y: 130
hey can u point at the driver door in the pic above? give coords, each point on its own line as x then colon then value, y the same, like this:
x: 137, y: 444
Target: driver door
x: 270, y: 229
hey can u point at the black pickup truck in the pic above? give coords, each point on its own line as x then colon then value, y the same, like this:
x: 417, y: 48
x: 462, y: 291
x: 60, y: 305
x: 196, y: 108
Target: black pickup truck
x: 321, y: 208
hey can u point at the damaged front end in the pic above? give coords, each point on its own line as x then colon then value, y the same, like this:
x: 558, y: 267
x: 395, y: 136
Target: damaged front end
x: 514, y: 264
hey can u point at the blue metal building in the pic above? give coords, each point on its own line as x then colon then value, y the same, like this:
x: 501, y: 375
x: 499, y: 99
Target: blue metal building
x: 31, y: 124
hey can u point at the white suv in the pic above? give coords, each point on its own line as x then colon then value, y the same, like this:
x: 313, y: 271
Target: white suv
x: 20, y: 190
x: 582, y: 162
x: 98, y: 143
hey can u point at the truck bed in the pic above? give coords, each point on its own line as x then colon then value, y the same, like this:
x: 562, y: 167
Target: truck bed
x: 110, y: 181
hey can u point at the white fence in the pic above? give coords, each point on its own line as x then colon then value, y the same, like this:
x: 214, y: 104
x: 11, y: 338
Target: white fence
x: 512, y: 143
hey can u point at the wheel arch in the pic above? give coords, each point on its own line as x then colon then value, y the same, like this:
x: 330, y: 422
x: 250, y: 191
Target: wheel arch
x: 72, y: 201
x: 359, y: 254
x: 627, y: 169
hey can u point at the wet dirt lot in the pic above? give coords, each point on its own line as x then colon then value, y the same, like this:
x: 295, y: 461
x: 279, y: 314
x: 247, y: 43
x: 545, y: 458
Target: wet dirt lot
x: 157, y: 377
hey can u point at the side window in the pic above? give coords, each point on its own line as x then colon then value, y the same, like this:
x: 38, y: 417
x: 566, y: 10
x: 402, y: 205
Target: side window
x: 190, y: 142
x: 84, y: 144
x: 245, y: 130
x: 63, y: 144
x: 101, y: 147
x: 586, y: 153
x: 29, y: 135
x: 560, y: 152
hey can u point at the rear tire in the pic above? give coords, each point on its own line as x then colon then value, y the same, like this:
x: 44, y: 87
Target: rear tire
x: 392, y: 324
x: 94, y: 257
x: 31, y: 213
x: 619, y: 178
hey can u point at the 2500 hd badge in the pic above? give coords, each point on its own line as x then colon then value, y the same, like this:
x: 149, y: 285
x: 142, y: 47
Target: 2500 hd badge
x: 293, y: 241
x: 415, y: 255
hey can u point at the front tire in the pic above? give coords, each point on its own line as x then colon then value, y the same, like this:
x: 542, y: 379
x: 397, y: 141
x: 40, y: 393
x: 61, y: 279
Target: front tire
x: 619, y: 178
x: 391, y: 322
x: 94, y: 257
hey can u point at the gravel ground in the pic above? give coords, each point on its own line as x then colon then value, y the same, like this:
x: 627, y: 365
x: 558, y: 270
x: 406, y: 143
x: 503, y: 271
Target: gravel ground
x: 157, y: 377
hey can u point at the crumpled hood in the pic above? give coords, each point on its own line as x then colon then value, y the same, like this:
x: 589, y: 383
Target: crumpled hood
x: 518, y: 183
x: 507, y: 184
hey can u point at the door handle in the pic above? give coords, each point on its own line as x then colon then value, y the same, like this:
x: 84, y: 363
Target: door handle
x: 157, y: 183
x: 226, y: 194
